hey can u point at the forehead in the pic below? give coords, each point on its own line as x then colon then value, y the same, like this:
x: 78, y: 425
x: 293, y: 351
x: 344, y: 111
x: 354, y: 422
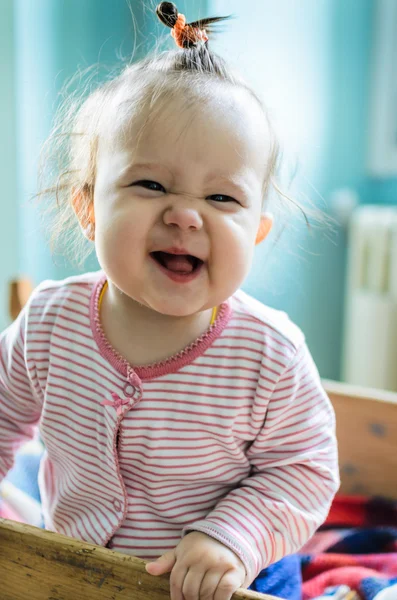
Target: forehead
x: 226, y: 128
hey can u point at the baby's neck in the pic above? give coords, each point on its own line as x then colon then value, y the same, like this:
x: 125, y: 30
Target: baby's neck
x: 143, y: 336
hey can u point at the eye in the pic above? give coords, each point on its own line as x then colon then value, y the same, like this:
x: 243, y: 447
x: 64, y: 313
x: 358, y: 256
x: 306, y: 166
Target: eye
x: 149, y: 185
x: 221, y: 198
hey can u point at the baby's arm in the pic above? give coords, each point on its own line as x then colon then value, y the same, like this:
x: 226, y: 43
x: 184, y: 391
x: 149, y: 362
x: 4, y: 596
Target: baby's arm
x: 19, y: 406
x: 294, y: 473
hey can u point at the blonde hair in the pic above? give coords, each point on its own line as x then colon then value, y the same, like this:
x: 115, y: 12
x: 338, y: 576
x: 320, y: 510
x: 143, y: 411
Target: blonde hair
x: 69, y: 155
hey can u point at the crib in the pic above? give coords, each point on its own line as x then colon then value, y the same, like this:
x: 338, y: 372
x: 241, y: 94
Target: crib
x: 42, y: 565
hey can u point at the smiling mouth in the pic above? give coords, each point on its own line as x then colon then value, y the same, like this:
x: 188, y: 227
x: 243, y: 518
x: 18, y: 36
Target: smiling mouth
x: 181, y: 264
x: 178, y: 267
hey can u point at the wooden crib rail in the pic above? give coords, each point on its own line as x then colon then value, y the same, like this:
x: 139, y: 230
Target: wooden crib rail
x: 42, y: 565
x: 366, y: 429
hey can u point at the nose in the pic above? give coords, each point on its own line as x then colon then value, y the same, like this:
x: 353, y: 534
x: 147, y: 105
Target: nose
x: 185, y: 217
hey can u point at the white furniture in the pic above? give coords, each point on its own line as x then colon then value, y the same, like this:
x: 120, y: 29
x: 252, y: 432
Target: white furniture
x: 370, y: 333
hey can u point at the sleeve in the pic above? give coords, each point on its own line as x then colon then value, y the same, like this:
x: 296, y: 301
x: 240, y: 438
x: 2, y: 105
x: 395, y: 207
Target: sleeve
x: 20, y: 407
x: 294, y: 474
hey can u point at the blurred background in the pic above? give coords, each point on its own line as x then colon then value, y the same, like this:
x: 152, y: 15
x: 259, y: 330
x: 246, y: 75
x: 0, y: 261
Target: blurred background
x: 324, y: 68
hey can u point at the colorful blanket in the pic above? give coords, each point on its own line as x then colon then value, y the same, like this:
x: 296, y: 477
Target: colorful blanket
x: 352, y: 557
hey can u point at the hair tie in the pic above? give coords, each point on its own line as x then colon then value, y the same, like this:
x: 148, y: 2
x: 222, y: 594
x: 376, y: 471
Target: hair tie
x: 185, y: 34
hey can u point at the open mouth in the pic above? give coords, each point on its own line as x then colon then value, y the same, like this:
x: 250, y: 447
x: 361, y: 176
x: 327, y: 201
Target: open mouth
x: 182, y: 264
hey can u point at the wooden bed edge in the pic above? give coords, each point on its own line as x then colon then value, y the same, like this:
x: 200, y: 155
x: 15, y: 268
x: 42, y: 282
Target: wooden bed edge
x: 366, y: 430
x: 48, y: 564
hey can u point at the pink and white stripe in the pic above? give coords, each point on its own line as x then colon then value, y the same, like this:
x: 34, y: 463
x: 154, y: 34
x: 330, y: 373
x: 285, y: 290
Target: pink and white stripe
x: 233, y: 437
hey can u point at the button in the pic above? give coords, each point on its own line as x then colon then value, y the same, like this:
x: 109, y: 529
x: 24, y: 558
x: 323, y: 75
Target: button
x: 129, y: 390
x: 117, y: 504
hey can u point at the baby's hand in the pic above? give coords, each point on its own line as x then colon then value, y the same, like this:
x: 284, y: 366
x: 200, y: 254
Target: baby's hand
x: 201, y: 569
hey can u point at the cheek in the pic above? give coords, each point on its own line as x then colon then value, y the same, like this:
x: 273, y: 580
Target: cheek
x: 120, y: 235
x: 234, y: 247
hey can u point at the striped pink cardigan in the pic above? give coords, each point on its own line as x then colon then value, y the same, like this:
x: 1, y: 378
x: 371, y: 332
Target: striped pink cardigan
x: 233, y: 436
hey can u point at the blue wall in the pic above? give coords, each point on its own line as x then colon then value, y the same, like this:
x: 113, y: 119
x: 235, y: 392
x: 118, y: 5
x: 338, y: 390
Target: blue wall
x: 8, y: 197
x: 311, y: 63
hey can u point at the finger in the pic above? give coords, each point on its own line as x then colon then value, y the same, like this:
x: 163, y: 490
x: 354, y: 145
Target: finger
x: 192, y: 583
x: 229, y: 583
x: 164, y: 564
x: 177, y: 578
x: 209, y: 584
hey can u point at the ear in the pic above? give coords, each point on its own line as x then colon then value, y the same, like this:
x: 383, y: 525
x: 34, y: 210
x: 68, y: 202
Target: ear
x: 264, y: 227
x: 83, y: 206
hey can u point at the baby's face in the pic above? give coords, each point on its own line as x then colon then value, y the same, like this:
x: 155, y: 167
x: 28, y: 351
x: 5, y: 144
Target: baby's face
x: 176, y: 215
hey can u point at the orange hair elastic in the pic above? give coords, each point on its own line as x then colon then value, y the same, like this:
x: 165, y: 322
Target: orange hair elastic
x: 185, y: 35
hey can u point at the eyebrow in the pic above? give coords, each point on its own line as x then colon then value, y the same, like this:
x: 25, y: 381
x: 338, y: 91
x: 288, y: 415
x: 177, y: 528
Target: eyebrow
x: 238, y: 183
x: 148, y: 166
